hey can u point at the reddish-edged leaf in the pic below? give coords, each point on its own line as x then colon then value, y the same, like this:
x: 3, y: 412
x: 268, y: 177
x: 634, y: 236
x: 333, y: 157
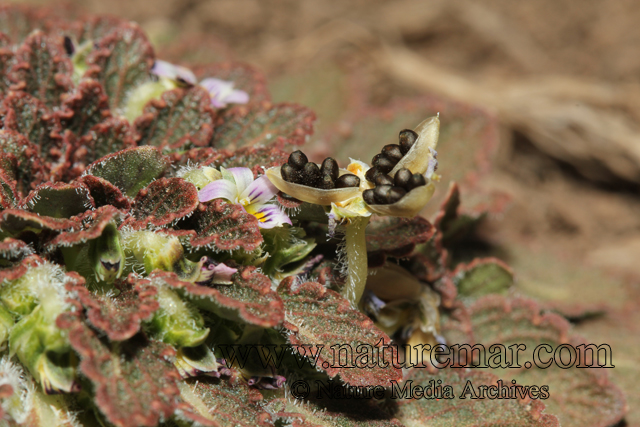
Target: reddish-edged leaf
x: 249, y: 299
x: 205, y: 156
x: 163, y: 202
x: 42, y: 68
x: 429, y: 263
x: 315, y: 315
x: 133, y: 381
x: 29, y: 170
x: 257, y: 158
x: 12, y: 252
x: 395, y: 237
x: 30, y: 117
x: 244, y: 77
x: 17, y: 21
x: 14, y: 221
x: 482, y: 276
x: 121, y: 61
x: 59, y: 200
x: 104, y: 193
x: 220, y: 403
x: 343, y: 412
x: 130, y: 170
x: 262, y: 125
x: 93, y: 28
x: 84, y: 108
x: 458, y: 411
x: 91, y: 225
x: 450, y: 221
x: 578, y: 396
x: 119, y: 317
x: 179, y: 120
x: 6, y: 61
x: 114, y: 134
x: 9, y: 196
x: 225, y: 227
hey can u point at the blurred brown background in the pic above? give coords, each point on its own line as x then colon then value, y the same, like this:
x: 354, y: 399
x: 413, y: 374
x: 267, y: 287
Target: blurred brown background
x: 557, y: 82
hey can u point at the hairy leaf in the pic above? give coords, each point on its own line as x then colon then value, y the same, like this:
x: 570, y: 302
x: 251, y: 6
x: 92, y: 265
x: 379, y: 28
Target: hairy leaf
x: 179, y: 120
x: 130, y: 170
x: 244, y: 77
x: 430, y: 259
x: 395, y: 237
x: 114, y: 134
x: 7, y: 58
x: 59, y: 200
x: 104, y: 193
x: 119, y: 317
x: 93, y: 28
x: 482, y: 276
x: 121, y: 61
x: 206, y: 156
x: 467, y: 411
x: 30, y: 117
x: 84, y: 108
x: 249, y: 299
x: 163, y: 202
x: 134, y: 383
x: 42, y: 68
x: 17, y: 21
x: 218, y: 403
x: 256, y: 158
x: 9, y: 196
x: 261, y: 125
x: 91, y: 225
x: 450, y: 221
x: 578, y: 396
x: 29, y: 171
x: 225, y: 227
x: 12, y: 252
x: 316, y: 316
x: 15, y: 221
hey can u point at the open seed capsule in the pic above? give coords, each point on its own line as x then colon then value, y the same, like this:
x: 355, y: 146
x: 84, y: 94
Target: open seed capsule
x: 421, y: 151
x: 409, y: 205
x: 309, y: 194
x: 407, y: 138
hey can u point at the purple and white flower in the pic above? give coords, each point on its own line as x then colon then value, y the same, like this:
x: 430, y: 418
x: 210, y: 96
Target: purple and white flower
x: 238, y: 186
x: 173, y: 72
x: 223, y: 93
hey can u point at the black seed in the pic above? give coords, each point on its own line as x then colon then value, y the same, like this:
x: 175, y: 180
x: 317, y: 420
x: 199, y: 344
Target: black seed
x: 297, y: 159
x: 330, y: 167
x: 347, y: 180
x: 392, y: 152
x: 326, y: 183
x: 417, y: 180
x: 395, y: 194
x: 381, y: 194
x: 372, y: 173
x: 68, y: 46
x: 383, y: 163
x: 383, y: 179
x: 288, y: 173
x: 369, y: 197
x: 407, y: 138
x: 311, y: 174
x: 402, y: 178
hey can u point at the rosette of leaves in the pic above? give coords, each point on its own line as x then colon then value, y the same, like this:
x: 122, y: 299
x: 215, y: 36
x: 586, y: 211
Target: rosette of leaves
x: 111, y: 310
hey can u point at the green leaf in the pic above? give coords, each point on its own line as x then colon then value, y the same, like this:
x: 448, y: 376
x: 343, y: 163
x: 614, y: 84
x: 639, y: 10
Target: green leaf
x: 163, y: 202
x: 483, y: 276
x: 120, y: 62
x: 15, y: 221
x: 262, y: 125
x: 133, y: 382
x: 59, y: 200
x: 114, y: 134
x: 317, y: 316
x: 42, y: 69
x: 29, y: 170
x: 179, y: 120
x: 130, y: 170
x: 222, y: 403
x: 104, y: 193
x: 84, y: 108
x: 286, y: 247
x: 224, y: 226
x: 248, y: 300
x: 28, y: 116
x: 438, y: 411
x: 395, y: 237
x: 90, y: 226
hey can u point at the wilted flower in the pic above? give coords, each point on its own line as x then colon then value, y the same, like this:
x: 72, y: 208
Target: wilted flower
x: 223, y: 93
x: 238, y: 186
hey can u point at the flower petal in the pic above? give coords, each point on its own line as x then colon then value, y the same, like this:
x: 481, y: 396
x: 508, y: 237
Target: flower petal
x: 237, y: 96
x: 243, y: 178
x: 220, y: 189
x: 269, y: 216
x: 259, y: 191
x: 174, y: 72
x: 216, y: 86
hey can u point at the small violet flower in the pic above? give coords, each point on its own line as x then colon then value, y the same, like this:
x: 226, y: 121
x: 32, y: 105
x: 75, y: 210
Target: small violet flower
x: 238, y: 186
x: 173, y: 72
x: 223, y: 93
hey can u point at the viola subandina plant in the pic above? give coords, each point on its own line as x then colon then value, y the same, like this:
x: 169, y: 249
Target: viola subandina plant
x: 170, y: 257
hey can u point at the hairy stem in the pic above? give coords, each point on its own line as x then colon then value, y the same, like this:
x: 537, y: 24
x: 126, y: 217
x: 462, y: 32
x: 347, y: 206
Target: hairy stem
x: 356, y: 245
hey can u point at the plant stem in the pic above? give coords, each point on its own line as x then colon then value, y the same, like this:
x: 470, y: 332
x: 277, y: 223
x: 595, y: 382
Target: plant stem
x: 356, y: 245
